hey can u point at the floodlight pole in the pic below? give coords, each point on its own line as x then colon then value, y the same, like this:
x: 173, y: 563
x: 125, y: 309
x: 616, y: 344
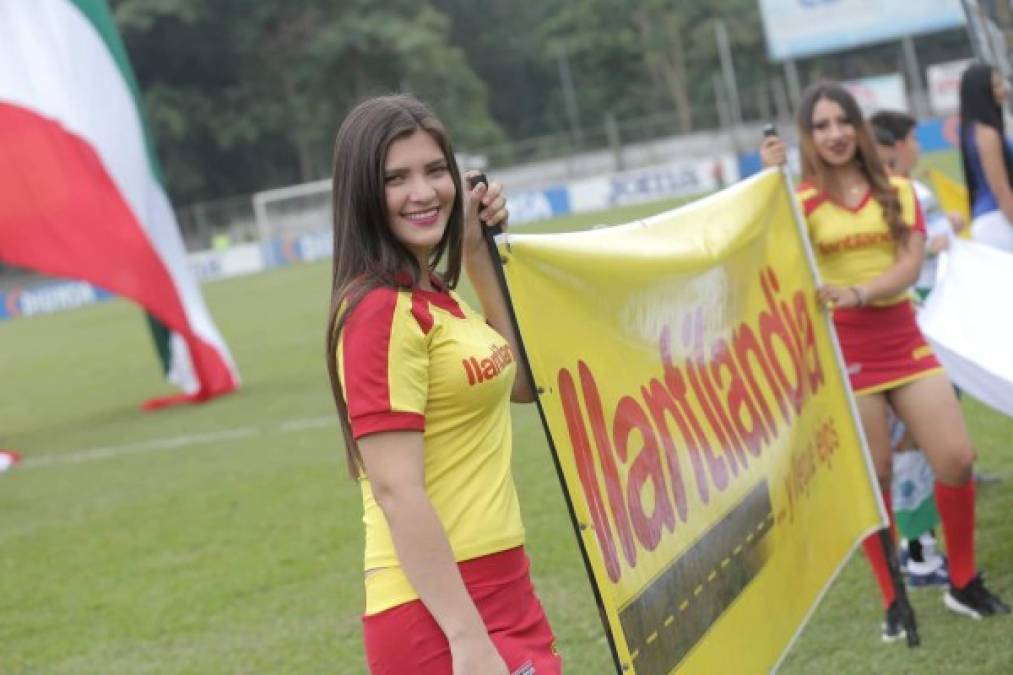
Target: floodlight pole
x: 791, y: 79
x: 570, y: 97
x: 728, y: 73
x: 914, y: 75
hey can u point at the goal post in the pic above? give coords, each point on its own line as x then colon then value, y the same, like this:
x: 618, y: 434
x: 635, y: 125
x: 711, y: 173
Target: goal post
x: 294, y: 221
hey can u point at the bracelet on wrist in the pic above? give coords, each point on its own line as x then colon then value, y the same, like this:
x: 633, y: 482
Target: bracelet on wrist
x: 860, y: 295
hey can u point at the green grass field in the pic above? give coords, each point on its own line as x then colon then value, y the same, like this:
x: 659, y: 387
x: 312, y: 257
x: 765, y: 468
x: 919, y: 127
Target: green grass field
x: 226, y: 538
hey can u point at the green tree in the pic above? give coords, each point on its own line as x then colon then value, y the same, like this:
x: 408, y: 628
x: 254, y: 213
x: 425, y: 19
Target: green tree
x: 244, y: 95
x: 654, y: 56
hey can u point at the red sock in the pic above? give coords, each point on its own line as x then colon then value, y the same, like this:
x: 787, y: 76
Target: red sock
x: 873, y: 546
x: 888, y: 502
x: 956, y: 510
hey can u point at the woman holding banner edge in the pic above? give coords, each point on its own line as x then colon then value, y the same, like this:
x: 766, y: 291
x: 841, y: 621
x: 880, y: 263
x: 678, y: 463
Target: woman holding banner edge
x: 867, y: 232
x: 423, y: 385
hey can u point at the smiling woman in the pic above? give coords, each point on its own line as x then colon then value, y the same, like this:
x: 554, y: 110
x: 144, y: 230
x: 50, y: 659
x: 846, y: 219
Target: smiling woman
x: 423, y: 386
x: 420, y: 192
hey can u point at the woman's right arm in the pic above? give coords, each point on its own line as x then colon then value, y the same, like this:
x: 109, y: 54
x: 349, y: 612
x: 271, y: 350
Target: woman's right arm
x: 990, y: 150
x: 394, y: 464
x: 773, y: 151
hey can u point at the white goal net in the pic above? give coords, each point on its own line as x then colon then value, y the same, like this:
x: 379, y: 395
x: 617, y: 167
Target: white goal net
x: 295, y: 221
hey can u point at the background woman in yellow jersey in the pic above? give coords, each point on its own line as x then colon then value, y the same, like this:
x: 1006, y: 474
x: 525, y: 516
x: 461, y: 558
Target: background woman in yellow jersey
x: 868, y: 235
x: 422, y: 385
x: 986, y: 155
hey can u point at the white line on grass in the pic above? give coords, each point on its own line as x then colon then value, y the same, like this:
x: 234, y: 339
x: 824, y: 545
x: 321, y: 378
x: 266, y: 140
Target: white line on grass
x: 168, y: 443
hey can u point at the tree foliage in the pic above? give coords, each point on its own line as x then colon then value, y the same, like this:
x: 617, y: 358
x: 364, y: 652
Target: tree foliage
x: 246, y: 95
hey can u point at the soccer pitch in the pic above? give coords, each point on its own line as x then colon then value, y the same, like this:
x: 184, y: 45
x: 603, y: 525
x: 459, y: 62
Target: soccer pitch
x: 227, y: 538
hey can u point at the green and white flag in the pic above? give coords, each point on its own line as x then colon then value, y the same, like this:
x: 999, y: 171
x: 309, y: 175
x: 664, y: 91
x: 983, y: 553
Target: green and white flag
x: 81, y: 191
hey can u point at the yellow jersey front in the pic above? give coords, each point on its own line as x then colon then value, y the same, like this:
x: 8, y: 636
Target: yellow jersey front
x: 855, y: 245
x: 420, y: 360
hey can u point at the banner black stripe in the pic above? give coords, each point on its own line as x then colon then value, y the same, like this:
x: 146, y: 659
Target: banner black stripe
x: 673, y: 613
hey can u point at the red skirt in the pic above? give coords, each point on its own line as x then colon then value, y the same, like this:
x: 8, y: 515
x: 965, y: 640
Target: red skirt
x: 406, y: 638
x: 883, y: 347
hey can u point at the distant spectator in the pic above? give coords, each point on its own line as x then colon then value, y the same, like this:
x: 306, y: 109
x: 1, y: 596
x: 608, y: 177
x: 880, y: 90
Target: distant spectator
x: 913, y: 500
x: 987, y: 155
x: 898, y: 147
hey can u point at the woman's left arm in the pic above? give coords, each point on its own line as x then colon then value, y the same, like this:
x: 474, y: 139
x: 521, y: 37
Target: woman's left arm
x: 902, y: 274
x: 894, y: 280
x: 486, y: 204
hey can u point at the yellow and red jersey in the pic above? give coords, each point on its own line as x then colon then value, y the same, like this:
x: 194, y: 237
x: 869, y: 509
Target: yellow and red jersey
x: 424, y: 361
x: 854, y: 245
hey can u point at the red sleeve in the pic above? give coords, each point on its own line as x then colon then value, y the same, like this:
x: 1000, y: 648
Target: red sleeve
x: 809, y: 197
x: 377, y: 398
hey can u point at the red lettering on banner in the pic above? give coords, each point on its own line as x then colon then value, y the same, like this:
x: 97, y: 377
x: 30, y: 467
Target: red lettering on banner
x: 723, y: 395
x: 807, y: 332
x: 772, y: 326
x: 715, y: 400
x: 716, y: 464
x: 645, y: 468
x: 586, y: 473
x: 748, y: 352
x: 696, y: 440
x: 817, y: 452
x: 659, y: 401
x: 613, y: 484
x: 752, y: 430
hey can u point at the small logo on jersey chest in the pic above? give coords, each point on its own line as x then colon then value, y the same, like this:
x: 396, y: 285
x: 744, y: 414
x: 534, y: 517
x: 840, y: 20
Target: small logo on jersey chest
x: 480, y: 370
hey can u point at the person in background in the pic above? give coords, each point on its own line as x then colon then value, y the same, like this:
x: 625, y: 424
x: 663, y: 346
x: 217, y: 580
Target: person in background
x: 986, y: 155
x: 895, y: 137
x: 912, y: 487
x: 427, y: 436
x: 868, y: 235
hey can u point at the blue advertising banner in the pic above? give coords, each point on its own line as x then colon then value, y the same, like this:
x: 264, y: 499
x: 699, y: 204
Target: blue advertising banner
x: 50, y: 297
x: 797, y: 28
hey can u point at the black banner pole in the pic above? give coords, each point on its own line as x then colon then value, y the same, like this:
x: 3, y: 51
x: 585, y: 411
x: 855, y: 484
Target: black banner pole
x: 489, y: 234
x: 907, y: 613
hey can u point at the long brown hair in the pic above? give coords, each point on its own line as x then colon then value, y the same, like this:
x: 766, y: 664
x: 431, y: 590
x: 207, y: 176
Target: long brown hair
x: 366, y: 253
x: 822, y: 175
x: 978, y: 106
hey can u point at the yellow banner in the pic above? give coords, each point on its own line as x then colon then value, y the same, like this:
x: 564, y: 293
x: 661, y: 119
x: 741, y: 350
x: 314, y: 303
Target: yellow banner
x: 952, y: 197
x: 692, y: 392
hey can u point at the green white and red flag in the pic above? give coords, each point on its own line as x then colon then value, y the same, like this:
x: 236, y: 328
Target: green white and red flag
x: 8, y: 458
x: 81, y: 190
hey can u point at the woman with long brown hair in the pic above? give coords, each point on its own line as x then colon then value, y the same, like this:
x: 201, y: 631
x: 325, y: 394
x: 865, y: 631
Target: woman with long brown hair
x: 423, y: 386
x: 986, y: 155
x: 868, y: 235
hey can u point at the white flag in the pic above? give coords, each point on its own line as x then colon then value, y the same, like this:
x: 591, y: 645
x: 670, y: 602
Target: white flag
x: 968, y: 321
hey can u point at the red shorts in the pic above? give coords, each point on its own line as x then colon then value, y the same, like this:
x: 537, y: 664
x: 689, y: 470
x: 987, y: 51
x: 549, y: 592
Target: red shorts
x: 883, y: 347
x: 406, y: 638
